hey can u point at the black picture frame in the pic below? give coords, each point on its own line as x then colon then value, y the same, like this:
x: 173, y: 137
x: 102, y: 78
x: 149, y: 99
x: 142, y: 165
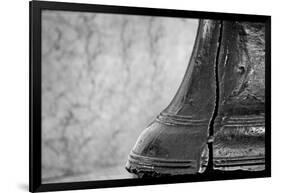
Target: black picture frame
x: 36, y: 7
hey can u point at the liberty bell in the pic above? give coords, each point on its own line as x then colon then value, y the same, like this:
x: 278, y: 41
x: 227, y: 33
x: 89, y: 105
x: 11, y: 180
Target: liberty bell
x: 216, y: 118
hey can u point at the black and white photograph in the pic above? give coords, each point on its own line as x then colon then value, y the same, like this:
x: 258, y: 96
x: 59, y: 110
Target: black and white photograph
x: 147, y: 95
x: 142, y: 96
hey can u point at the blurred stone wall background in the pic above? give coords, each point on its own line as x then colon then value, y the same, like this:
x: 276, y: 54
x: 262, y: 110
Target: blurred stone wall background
x: 104, y: 79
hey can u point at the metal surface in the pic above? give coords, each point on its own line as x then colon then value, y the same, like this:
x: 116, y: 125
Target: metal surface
x: 176, y: 142
x: 240, y: 124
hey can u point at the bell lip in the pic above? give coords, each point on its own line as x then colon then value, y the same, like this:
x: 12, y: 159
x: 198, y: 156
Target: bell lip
x: 240, y: 121
x: 176, y: 119
x: 161, y: 166
x: 239, y: 162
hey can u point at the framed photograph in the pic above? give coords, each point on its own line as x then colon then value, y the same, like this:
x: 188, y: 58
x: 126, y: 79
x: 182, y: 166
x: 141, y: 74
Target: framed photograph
x: 127, y: 96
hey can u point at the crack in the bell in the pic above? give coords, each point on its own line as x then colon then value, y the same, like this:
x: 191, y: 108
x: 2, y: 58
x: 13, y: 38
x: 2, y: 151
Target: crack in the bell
x: 216, y: 107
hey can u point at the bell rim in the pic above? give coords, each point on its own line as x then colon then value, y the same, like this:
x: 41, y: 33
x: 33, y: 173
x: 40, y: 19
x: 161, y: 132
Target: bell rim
x: 137, y: 163
x: 241, y: 162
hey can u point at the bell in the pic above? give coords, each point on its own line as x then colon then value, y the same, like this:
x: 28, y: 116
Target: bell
x: 175, y: 142
x: 239, y: 129
x: 216, y: 118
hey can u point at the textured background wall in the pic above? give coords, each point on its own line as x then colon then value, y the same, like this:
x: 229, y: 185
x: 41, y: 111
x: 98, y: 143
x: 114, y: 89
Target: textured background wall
x: 104, y: 79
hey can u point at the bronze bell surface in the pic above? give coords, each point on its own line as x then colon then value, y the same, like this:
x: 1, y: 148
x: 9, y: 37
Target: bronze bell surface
x: 240, y: 123
x: 176, y: 141
x: 216, y: 119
